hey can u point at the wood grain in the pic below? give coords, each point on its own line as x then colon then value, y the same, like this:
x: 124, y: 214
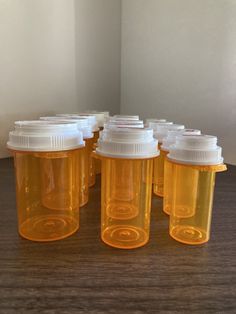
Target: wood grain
x: 82, y: 275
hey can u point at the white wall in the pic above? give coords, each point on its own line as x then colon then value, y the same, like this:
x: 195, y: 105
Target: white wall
x: 57, y: 56
x: 179, y: 62
x: 98, y: 53
x: 37, y: 60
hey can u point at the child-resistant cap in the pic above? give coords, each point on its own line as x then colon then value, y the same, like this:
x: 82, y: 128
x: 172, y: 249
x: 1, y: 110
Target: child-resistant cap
x: 160, y: 129
x: 196, y: 150
x: 106, y: 114
x: 127, y: 143
x: 124, y: 124
x: 38, y: 135
x: 82, y: 124
x: 91, y: 118
x: 124, y: 117
x: 148, y: 121
x: 172, y: 135
x: 99, y: 116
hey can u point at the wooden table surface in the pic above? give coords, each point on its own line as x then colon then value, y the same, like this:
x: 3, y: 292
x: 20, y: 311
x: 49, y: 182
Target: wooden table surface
x: 82, y: 275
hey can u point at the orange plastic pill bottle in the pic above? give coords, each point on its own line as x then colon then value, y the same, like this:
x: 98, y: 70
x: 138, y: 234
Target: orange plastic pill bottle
x: 158, y: 167
x: 127, y: 164
x: 196, y: 158
x: 168, y: 175
x: 86, y: 160
x: 95, y: 129
x: 46, y: 163
x: 99, y: 118
x: 160, y: 129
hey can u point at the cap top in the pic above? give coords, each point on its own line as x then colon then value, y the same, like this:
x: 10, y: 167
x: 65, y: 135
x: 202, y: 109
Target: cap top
x: 161, y: 129
x: 91, y: 118
x: 196, y: 149
x: 172, y: 135
x: 124, y: 117
x: 82, y: 124
x: 127, y: 143
x: 124, y: 124
x: 38, y: 135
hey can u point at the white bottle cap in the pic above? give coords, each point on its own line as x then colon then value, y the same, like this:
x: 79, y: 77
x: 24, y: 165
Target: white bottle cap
x: 105, y: 113
x: 127, y: 143
x: 100, y: 117
x: 147, y: 122
x: 92, y: 119
x: 124, y: 117
x: 172, y: 135
x: 82, y: 124
x: 196, y: 150
x: 124, y: 124
x: 160, y: 129
x: 37, y: 135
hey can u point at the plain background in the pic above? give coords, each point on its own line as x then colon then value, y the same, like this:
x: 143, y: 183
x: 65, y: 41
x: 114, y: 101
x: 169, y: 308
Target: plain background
x: 179, y: 63
x: 57, y: 56
x: 173, y: 59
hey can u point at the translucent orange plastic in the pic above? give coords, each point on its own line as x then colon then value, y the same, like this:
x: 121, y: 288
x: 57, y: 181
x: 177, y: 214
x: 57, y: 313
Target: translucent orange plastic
x: 84, y: 163
x: 126, y: 202
x: 90, y: 148
x: 47, y: 192
x: 190, y: 198
x: 168, y: 179
x: 158, y: 173
x: 96, y: 160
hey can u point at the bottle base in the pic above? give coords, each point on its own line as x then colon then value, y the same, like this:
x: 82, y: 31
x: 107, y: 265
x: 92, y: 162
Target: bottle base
x: 158, y: 190
x: 92, y: 182
x: 84, y: 201
x: 122, y: 210
x: 62, y: 201
x: 158, y: 194
x: 166, y: 210
x: 189, y: 235
x: 48, y: 228
x: 184, y: 211
x: 124, y: 237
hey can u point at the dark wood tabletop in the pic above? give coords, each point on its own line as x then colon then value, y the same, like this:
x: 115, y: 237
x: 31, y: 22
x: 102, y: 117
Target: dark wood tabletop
x: 82, y: 275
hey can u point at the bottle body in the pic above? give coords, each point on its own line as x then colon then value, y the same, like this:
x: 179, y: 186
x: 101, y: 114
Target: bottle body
x: 47, y: 191
x: 168, y: 178
x: 97, y: 161
x: 126, y: 201
x: 90, y: 147
x: 84, y: 164
x: 158, y: 173
x: 191, y: 199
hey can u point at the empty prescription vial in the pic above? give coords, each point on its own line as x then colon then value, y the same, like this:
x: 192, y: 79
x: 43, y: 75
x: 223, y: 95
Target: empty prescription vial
x: 198, y: 158
x: 46, y: 163
x: 168, y: 175
x: 127, y: 163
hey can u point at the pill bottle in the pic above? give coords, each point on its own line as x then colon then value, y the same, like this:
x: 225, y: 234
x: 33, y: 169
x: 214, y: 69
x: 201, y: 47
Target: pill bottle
x: 199, y: 157
x: 160, y: 131
x: 127, y: 162
x: 165, y: 147
x: 93, y: 163
x: 46, y: 163
x: 86, y: 161
x: 100, y: 119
